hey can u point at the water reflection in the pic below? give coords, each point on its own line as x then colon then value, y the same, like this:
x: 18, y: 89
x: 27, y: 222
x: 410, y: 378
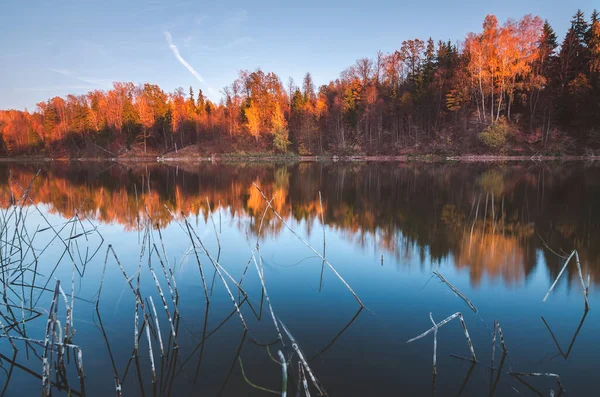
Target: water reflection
x: 562, y: 353
x: 492, y: 220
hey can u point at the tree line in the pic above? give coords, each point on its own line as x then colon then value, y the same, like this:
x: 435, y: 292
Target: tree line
x: 511, y: 86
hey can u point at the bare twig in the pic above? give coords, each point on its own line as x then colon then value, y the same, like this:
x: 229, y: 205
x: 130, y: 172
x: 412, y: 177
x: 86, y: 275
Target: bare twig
x: 443, y: 322
x: 435, y: 330
x: 456, y: 291
x: 283, y: 373
x: 584, y: 288
x: 303, y: 360
x: 536, y: 374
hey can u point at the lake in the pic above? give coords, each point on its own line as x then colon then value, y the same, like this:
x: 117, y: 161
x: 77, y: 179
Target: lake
x: 181, y: 235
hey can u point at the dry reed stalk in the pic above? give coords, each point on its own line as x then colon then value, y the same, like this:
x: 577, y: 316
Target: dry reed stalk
x: 434, y: 343
x: 304, y: 382
x: 165, y: 306
x: 41, y: 343
x: 150, y: 351
x: 298, y: 351
x: 72, y: 306
x: 7, y: 336
x: 218, y: 269
x: 59, y: 386
x: 299, y: 377
x: 308, y: 245
x: 258, y: 234
x: 136, y: 328
x: 60, y: 348
x: 168, y: 278
x: 68, y: 307
x: 49, y: 343
x: 498, y: 331
x: 160, y: 341
x: 102, y: 278
x: 445, y: 321
x: 494, y: 343
x: 139, y: 303
x: 136, y: 292
x: 283, y: 373
x: 584, y: 288
x: 79, y: 365
x: 536, y: 374
x: 464, y: 325
x: 56, y: 232
x: 501, y: 337
x: 118, y: 388
x: 197, y: 260
x: 261, y: 276
x: 456, y: 291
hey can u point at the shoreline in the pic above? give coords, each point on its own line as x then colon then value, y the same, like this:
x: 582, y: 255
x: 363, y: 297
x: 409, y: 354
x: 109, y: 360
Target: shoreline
x: 424, y: 158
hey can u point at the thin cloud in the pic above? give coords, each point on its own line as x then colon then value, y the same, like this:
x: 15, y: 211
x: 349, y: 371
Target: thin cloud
x: 64, y: 72
x: 93, y: 81
x: 55, y: 88
x: 175, y: 51
x: 96, y: 81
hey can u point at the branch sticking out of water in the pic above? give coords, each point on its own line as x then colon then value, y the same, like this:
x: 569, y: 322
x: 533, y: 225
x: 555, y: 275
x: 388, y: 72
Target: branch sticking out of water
x: 435, y: 327
x: 584, y: 287
x: 283, y: 373
x: 303, y: 362
x: 49, y: 343
x: 304, y: 382
x: 261, y: 275
x: 547, y: 374
x: 7, y: 336
x: 435, y: 330
x: 498, y: 331
x: 163, y: 299
x: 456, y: 291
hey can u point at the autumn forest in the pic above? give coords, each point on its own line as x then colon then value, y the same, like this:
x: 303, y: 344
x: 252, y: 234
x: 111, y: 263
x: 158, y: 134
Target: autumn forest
x: 514, y: 87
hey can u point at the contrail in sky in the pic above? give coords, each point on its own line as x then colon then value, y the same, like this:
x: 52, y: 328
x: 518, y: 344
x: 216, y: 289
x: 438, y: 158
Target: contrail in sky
x: 189, y: 67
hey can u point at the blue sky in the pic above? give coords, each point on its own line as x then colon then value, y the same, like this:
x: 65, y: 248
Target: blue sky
x: 59, y: 47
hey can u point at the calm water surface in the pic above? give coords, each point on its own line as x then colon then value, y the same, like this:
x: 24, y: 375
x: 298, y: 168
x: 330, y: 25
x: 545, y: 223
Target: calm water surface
x: 490, y: 229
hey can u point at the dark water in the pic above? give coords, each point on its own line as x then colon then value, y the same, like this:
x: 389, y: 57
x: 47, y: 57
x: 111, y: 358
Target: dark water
x: 488, y: 228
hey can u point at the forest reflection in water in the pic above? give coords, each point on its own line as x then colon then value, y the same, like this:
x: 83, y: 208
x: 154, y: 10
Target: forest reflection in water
x: 492, y: 219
